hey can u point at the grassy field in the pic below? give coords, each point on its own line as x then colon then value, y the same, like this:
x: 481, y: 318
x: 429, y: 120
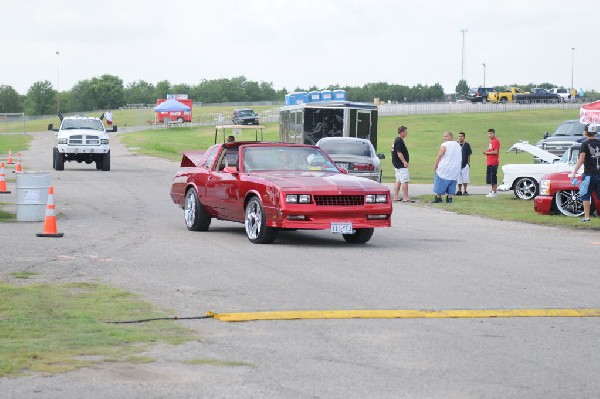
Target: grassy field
x: 423, y: 141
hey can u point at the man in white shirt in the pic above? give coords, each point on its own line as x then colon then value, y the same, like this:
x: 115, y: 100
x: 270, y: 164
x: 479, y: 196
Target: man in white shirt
x: 447, y: 169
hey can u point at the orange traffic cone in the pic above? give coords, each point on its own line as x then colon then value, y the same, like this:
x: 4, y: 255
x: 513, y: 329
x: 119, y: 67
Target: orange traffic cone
x: 50, y: 221
x: 19, y: 167
x: 3, y: 189
x: 10, y: 160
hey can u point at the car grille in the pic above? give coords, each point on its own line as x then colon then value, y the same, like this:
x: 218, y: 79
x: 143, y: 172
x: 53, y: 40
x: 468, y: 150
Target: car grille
x: 339, y: 200
x: 84, y: 140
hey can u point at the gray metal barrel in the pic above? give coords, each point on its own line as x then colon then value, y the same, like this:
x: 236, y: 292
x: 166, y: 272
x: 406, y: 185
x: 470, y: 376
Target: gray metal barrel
x: 32, y: 196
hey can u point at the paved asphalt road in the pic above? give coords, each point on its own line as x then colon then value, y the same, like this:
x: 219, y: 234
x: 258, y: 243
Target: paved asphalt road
x: 121, y: 228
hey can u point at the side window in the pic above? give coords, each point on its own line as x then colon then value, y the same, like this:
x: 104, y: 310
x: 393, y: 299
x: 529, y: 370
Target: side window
x: 211, y: 157
x: 228, y: 158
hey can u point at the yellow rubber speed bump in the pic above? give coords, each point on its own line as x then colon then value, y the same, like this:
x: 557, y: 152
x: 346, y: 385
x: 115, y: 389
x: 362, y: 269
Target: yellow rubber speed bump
x: 404, y: 314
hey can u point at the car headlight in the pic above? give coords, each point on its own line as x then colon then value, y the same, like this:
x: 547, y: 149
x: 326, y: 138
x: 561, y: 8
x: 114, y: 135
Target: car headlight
x: 297, y: 198
x: 103, y: 141
x: 545, y: 187
x: 62, y: 141
x: 375, y: 198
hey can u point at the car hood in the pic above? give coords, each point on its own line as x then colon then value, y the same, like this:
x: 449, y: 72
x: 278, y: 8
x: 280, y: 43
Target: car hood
x: 315, y: 181
x: 536, y: 151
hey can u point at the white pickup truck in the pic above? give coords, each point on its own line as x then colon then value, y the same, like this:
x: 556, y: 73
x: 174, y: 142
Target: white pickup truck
x: 81, y: 139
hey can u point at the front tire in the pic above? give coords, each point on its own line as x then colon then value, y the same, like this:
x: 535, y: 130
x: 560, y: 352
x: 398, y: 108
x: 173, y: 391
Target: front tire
x: 196, y: 218
x: 256, y: 227
x: 54, y: 155
x: 526, y: 188
x: 361, y: 236
x: 59, y: 161
x: 106, y: 162
x: 568, y: 203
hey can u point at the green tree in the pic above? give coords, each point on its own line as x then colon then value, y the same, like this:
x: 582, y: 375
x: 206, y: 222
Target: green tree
x: 40, y: 99
x: 10, y: 100
x: 462, y: 89
x: 108, y: 92
x: 140, y: 92
x: 162, y: 89
x: 82, y: 96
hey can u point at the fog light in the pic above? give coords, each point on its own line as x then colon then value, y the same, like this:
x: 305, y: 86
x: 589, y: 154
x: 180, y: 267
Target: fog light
x: 377, y: 217
x: 296, y: 217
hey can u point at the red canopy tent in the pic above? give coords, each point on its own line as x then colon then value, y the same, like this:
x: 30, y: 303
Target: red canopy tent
x: 590, y: 113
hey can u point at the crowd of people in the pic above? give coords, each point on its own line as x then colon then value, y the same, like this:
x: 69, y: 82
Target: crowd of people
x: 451, y: 167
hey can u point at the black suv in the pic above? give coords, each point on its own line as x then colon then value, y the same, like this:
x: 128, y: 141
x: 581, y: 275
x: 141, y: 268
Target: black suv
x: 244, y: 116
x: 479, y: 95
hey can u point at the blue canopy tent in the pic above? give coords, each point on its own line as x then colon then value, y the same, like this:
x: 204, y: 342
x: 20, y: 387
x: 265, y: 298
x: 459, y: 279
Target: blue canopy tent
x: 171, y: 105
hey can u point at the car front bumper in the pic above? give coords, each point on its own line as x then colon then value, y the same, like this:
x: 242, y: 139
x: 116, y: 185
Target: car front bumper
x: 542, y: 204
x: 320, y: 218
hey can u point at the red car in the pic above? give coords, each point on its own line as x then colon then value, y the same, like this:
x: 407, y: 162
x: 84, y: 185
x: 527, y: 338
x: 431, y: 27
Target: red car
x: 277, y: 186
x: 558, y: 195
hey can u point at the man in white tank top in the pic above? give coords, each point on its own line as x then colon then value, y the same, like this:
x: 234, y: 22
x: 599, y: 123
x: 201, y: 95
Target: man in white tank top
x: 447, y: 169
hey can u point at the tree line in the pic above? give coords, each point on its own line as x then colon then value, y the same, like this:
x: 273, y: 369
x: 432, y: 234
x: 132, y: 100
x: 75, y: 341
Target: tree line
x: 109, y: 92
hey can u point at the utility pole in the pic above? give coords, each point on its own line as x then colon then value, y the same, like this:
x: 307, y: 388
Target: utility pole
x: 463, y: 75
x: 483, y: 63
x: 572, y: 64
x: 57, y: 83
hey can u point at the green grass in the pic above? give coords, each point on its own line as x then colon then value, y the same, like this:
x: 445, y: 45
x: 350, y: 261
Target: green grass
x: 423, y: 141
x: 14, y: 142
x: 506, y: 207
x: 49, y: 329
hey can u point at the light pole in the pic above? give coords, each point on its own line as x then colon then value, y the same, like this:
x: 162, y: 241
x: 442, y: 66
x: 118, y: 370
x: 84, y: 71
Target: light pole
x: 483, y: 63
x: 572, y: 64
x: 57, y: 83
x: 464, y: 56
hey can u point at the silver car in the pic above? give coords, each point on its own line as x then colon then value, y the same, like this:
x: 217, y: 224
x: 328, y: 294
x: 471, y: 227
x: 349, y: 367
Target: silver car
x: 355, y: 155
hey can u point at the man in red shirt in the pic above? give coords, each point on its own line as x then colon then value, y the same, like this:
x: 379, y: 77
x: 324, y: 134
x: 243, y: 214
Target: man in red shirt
x: 493, y: 160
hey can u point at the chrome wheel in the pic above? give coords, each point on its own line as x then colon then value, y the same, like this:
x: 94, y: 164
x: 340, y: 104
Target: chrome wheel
x: 526, y: 188
x: 189, y: 212
x: 569, y: 203
x: 256, y: 228
x: 196, y: 218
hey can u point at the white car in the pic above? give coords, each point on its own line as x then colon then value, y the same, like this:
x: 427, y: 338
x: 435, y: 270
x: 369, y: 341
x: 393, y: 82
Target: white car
x: 355, y: 155
x: 524, y: 179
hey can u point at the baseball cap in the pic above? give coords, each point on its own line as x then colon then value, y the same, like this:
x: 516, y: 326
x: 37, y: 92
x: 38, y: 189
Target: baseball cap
x: 591, y: 128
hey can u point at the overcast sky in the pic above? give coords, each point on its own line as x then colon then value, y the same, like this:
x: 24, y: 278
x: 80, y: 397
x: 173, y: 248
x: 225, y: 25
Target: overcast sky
x: 301, y: 43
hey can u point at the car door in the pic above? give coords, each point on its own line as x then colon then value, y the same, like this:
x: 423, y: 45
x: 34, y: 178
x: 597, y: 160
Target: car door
x: 222, y: 188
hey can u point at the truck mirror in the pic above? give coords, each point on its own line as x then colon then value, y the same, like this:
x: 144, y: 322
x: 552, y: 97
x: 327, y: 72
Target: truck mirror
x: 545, y: 135
x: 50, y: 126
x: 114, y: 129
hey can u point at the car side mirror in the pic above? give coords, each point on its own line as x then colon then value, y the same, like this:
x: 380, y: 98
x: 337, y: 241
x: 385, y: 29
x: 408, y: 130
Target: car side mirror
x: 381, y: 156
x: 230, y: 169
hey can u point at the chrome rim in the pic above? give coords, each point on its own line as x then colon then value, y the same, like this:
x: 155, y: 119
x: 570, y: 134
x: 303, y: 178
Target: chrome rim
x: 526, y: 189
x: 253, y: 220
x: 190, y: 209
x: 569, y: 203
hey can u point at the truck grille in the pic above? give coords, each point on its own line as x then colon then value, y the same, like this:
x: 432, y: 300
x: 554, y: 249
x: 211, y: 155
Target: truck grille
x: 339, y: 200
x: 84, y: 140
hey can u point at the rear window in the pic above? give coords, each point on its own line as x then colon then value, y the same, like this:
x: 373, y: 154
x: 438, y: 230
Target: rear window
x: 359, y: 148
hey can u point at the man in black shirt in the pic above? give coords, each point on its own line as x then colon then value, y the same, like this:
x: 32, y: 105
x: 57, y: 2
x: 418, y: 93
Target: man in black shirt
x: 464, y: 178
x: 400, y: 159
x: 589, y: 157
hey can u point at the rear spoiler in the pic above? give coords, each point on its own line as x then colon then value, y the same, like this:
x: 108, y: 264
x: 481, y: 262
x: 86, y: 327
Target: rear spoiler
x: 192, y: 159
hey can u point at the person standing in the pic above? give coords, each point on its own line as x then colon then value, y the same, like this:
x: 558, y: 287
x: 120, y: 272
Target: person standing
x: 109, y: 117
x: 589, y: 157
x: 400, y: 158
x: 447, y: 169
x: 464, y: 177
x: 492, y: 161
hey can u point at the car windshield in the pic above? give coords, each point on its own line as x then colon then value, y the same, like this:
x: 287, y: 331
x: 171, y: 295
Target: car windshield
x: 91, y: 124
x: 358, y: 147
x: 569, y: 129
x: 246, y: 112
x: 286, y: 158
x: 569, y: 156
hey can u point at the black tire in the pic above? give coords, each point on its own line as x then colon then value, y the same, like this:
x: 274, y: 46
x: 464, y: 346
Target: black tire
x: 568, y: 202
x: 59, y: 161
x: 526, y: 188
x: 54, y: 155
x: 504, y: 100
x: 255, y: 221
x: 361, y: 236
x: 196, y: 218
x: 106, y: 162
x: 99, y: 164
x: 180, y: 120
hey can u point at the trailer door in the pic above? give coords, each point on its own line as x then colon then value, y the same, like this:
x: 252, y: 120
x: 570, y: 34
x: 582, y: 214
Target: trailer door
x: 363, y: 124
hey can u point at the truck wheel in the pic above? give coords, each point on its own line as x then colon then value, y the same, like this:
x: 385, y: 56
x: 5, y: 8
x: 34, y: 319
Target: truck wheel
x: 106, y: 162
x: 503, y: 100
x: 59, y: 161
x: 54, y: 155
x: 99, y: 164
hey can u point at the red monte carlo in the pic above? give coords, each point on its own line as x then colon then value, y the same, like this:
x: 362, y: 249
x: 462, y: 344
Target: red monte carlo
x: 276, y: 186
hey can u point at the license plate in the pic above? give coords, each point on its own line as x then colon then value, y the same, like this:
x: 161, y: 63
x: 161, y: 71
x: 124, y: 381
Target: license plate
x: 343, y: 165
x: 341, y: 228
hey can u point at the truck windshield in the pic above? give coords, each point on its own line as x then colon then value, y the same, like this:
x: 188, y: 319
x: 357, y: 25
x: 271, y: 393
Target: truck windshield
x: 91, y: 124
x: 569, y: 129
